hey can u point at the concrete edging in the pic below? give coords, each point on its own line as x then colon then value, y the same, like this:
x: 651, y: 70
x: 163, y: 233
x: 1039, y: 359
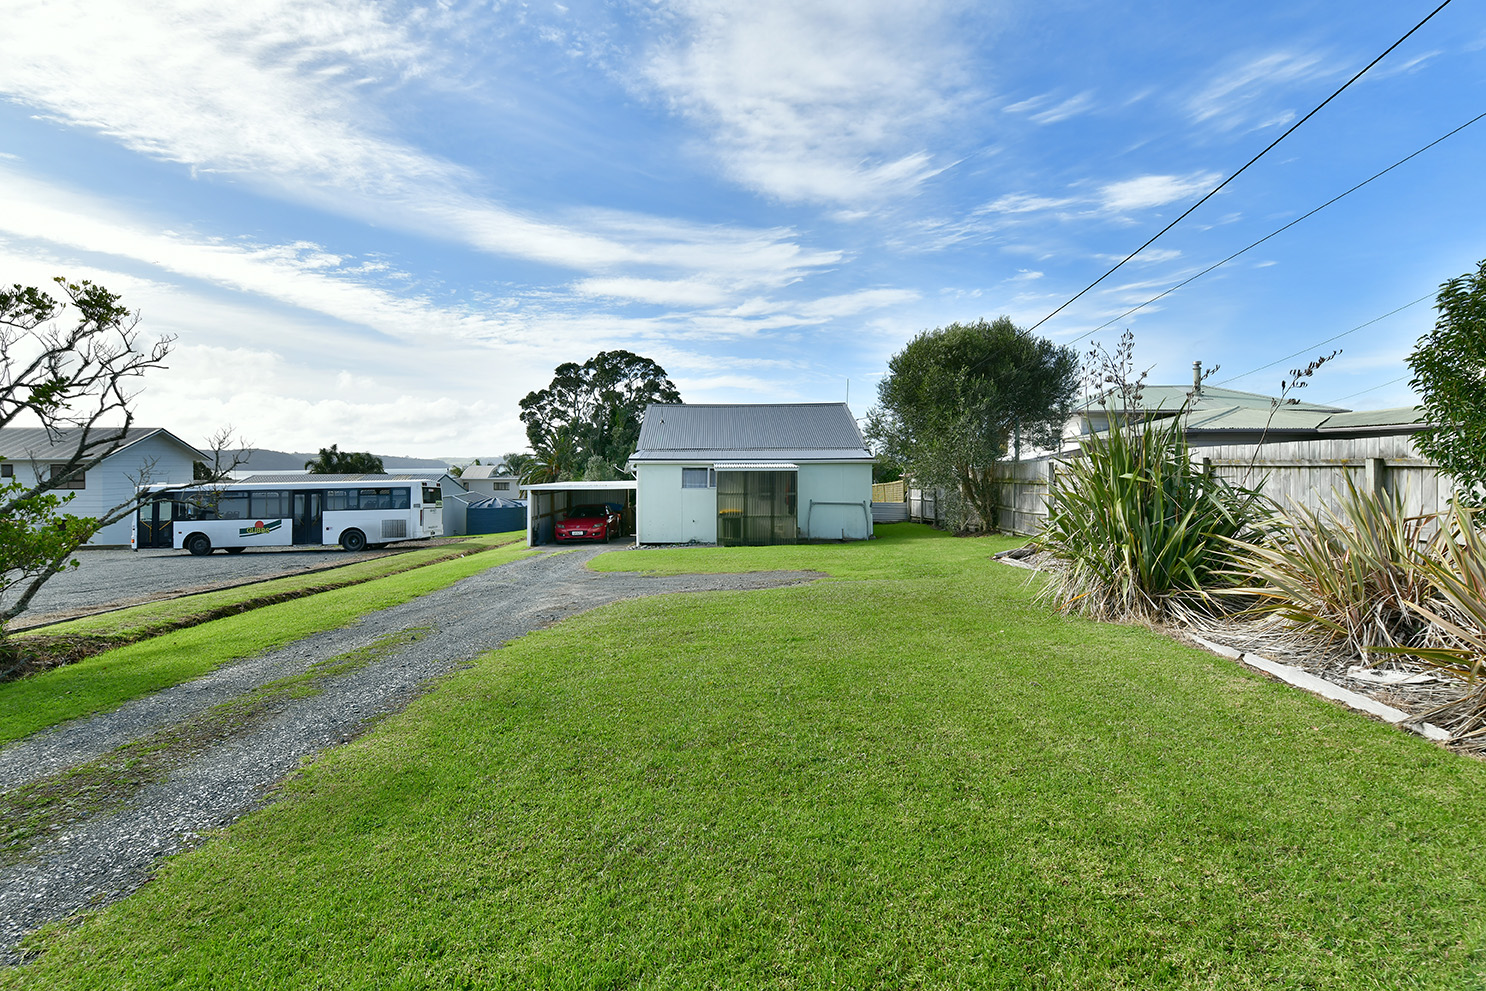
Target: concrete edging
x: 1320, y: 686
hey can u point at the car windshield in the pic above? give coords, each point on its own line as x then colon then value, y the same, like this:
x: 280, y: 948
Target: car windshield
x: 586, y: 513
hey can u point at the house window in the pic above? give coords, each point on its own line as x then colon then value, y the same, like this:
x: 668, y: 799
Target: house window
x: 502, y: 486
x: 698, y: 478
x: 78, y: 481
x: 7, y: 471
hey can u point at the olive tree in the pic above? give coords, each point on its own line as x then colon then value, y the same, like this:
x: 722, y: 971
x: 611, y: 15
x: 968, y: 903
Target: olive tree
x: 1449, y: 365
x: 958, y: 398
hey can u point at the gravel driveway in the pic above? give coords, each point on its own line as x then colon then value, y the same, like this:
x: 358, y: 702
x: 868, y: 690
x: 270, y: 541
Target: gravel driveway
x: 93, y: 860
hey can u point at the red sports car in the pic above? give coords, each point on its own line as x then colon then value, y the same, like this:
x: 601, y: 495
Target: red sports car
x: 596, y: 522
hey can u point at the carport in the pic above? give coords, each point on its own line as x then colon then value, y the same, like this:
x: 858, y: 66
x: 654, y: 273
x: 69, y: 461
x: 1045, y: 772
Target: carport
x: 546, y: 503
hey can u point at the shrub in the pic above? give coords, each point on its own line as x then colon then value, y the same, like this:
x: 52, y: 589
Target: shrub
x: 1140, y: 528
x: 1351, y: 574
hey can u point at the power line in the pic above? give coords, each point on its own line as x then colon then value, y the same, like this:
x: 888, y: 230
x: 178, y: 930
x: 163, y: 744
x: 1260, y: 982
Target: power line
x: 1328, y: 340
x: 1375, y: 388
x: 1304, y: 216
x: 1216, y: 189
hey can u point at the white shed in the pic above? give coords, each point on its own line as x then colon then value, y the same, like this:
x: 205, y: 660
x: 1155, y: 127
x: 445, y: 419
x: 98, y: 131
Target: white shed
x: 752, y: 474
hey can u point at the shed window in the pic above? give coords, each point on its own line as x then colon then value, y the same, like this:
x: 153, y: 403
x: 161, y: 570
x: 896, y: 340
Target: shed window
x: 698, y: 478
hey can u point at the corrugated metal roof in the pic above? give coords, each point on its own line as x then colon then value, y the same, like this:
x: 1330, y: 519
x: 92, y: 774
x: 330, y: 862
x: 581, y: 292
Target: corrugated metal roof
x: 756, y: 466
x: 408, y: 476
x: 1251, y: 418
x: 1399, y: 416
x: 1171, y: 397
x: 757, y: 432
x: 33, y: 443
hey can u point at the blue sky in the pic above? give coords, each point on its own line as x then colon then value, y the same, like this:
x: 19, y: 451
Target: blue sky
x: 381, y: 224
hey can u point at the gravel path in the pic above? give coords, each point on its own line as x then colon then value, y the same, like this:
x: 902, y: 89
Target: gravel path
x: 96, y: 860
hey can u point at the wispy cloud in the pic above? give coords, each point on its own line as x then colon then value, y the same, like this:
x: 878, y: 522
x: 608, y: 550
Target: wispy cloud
x: 812, y: 102
x: 1147, y: 191
x: 283, y: 96
x: 1244, y: 96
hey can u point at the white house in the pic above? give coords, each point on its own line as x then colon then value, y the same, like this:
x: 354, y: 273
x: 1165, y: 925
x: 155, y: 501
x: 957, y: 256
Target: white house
x: 148, y: 455
x: 751, y: 474
x: 492, y: 480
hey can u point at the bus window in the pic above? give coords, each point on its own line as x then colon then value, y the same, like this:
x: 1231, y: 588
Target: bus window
x: 233, y: 506
x: 433, y: 496
x: 340, y: 499
x: 270, y: 504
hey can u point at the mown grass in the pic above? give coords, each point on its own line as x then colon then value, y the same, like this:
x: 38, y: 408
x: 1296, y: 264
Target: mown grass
x: 899, y: 550
x: 877, y: 783
x: 107, y: 680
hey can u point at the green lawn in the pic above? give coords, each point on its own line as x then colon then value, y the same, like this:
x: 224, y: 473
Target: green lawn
x: 885, y: 782
x: 108, y: 680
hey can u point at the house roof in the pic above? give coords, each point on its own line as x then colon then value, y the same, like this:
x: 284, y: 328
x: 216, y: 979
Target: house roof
x: 750, y: 432
x: 486, y: 471
x: 408, y: 476
x: 35, y: 444
x: 1212, y: 398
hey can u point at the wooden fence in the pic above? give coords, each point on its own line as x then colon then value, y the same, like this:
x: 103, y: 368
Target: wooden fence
x: 1292, y: 473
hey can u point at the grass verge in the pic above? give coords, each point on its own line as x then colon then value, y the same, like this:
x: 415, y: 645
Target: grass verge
x: 71, y: 641
x: 878, y: 783
x: 112, y: 678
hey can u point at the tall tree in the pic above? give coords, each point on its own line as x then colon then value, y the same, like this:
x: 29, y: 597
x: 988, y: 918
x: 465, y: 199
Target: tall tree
x: 1449, y: 365
x: 597, y: 405
x: 958, y: 398
x: 331, y: 461
x: 77, y: 381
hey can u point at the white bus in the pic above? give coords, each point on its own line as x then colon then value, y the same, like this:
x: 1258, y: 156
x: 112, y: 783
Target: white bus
x: 237, y: 515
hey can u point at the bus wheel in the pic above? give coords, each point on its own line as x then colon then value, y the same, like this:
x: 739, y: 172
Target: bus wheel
x: 353, y: 541
x: 199, y: 544
x: 234, y: 550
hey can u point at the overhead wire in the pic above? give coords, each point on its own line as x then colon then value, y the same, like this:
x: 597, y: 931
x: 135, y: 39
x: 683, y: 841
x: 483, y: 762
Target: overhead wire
x: 1336, y: 337
x: 1364, y: 392
x: 1281, y: 230
x: 1216, y: 189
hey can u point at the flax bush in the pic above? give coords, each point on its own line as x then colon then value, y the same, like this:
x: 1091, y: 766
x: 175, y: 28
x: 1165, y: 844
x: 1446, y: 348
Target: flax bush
x: 1353, y: 574
x: 1142, y: 531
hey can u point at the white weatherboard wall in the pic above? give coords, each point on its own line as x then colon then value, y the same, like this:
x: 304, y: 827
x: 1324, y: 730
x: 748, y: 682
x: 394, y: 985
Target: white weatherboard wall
x: 835, y: 483
x: 670, y: 514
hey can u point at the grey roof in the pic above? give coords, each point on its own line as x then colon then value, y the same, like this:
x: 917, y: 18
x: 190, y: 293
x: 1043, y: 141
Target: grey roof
x: 757, y: 432
x: 410, y: 476
x: 487, y: 471
x: 1171, y: 397
x: 260, y: 459
x: 34, y: 444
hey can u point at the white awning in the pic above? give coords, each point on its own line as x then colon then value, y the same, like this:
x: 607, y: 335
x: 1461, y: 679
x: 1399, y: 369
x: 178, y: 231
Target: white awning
x: 756, y: 466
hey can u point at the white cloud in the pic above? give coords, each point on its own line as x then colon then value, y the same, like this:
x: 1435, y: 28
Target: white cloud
x: 1240, y: 96
x: 282, y: 95
x: 1024, y: 203
x: 825, y: 101
x: 1144, y: 192
x: 1071, y: 107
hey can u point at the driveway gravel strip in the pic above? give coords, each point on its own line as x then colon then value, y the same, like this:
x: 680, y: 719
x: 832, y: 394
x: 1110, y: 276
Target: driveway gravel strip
x: 93, y: 861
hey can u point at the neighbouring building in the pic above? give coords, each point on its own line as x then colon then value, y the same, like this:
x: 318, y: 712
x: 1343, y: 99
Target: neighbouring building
x: 148, y: 455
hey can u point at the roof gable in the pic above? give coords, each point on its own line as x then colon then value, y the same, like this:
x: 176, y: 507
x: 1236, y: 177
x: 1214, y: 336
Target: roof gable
x: 36, y: 444
x: 808, y: 431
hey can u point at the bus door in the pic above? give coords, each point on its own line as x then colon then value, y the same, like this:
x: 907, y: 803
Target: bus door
x: 155, y: 529
x: 309, y: 509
